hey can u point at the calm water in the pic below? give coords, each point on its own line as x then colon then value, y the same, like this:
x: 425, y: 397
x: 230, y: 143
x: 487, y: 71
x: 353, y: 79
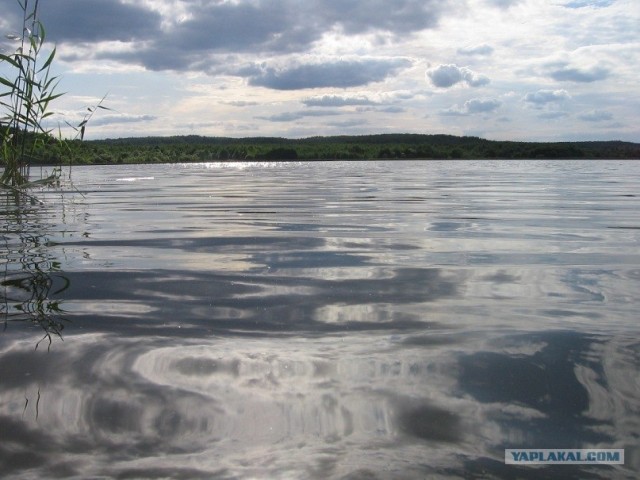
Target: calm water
x: 321, y: 320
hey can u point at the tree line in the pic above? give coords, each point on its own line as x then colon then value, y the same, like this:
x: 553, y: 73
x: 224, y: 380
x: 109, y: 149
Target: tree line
x: 193, y: 148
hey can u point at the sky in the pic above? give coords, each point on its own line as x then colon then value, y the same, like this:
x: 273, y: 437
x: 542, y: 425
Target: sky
x: 531, y: 70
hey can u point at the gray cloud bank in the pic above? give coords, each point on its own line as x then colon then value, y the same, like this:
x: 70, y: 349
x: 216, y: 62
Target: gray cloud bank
x: 341, y: 74
x: 200, y: 36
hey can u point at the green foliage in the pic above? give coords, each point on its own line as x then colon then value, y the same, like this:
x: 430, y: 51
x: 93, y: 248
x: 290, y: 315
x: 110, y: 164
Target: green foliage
x: 368, y: 147
x: 30, y: 280
x: 25, y: 99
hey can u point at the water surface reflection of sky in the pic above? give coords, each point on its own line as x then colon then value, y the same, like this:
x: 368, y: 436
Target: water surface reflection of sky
x: 396, y: 405
x: 327, y: 320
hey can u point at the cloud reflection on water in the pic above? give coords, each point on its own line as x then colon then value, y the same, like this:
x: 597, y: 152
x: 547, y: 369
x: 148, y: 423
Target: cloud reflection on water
x: 254, y: 302
x: 388, y: 325
x: 315, y: 408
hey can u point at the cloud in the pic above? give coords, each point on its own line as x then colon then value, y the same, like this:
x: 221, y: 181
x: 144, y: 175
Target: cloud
x: 477, y: 50
x: 589, y: 3
x: 473, y: 106
x: 503, y: 3
x: 355, y: 57
x: 338, y: 73
x: 202, y: 26
x: 567, y: 74
x: 239, y: 27
x: 338, y: 101
x: 478, y: 105
x: 445, y: 76
x: 121, y: 118
x: 282, y: 117
x: 293, y: 116
x: 543, y: 97
x: 98, y: 20
x: 348, y: 123
x: 170, y: 35
x: 402, y: 16
x: 392, y: 109
x: 552, y: 115
x: 596, y: 116
x: 241, y: 103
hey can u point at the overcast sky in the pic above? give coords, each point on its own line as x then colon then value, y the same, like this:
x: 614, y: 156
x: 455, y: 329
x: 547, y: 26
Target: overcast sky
x: 499, y: 69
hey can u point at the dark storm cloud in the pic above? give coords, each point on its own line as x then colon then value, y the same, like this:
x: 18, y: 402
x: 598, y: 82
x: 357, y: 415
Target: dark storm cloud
x: 338, y: 74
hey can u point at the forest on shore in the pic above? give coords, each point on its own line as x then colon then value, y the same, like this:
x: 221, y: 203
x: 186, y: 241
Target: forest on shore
x: 193, y: 148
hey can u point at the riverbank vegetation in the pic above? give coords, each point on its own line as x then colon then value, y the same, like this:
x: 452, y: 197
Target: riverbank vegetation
x: 366, y: 147
x: 27, y: 88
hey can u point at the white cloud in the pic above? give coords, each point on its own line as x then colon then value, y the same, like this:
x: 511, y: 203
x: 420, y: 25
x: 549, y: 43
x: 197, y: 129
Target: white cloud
x: 476, y: 50
x: 445, y: 76
x: 473, y: 106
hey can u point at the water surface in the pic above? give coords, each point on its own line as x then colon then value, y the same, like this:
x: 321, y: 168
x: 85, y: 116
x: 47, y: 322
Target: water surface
x: 321, y: 320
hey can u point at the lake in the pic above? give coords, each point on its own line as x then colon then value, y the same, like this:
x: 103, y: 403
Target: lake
x: 343, y: 320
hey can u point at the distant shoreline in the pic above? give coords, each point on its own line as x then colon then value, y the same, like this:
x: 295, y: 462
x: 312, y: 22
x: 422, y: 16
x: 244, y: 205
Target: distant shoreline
x: 192, y: 149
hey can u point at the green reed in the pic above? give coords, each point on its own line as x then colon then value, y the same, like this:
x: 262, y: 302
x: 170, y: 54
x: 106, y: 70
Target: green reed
x: 28, y: 90
x: 27, y: 97
x: 29, y: 277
